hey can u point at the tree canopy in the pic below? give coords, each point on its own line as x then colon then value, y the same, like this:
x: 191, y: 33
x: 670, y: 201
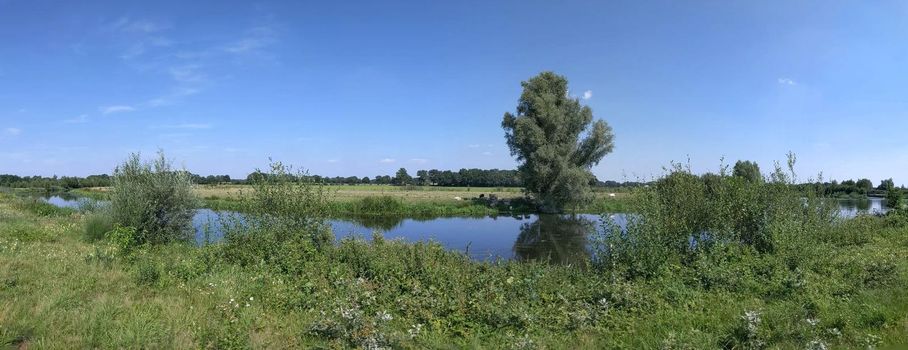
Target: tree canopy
x: 747, y: 170
x: 545, y: 137
x: 402, y: 178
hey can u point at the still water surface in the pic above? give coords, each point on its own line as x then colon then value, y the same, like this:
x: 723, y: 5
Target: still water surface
x: 555, y: 238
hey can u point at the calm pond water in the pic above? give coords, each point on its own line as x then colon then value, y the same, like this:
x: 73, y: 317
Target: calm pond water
x: 555, y: 238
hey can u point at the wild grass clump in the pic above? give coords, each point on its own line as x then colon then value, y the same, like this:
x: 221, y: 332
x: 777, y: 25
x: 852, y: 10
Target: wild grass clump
x: 379, y: 205
x: 97, y: 225
x: 153, y: 198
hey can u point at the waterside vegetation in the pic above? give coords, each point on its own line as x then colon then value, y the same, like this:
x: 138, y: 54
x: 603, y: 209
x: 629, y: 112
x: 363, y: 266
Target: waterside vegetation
x: 709, y: 262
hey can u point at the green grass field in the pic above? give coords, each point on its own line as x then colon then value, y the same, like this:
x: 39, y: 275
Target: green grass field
x: 59, y: 291
x: 416, y: 200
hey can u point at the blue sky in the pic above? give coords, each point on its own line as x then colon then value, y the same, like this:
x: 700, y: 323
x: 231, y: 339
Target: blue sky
x: 364, y: 88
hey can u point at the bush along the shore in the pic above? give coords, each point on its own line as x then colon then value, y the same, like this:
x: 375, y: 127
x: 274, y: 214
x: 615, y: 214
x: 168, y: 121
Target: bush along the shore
x: 154, y: 199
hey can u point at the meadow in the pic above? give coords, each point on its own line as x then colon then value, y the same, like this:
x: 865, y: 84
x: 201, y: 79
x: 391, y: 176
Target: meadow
x: 766, y: 271
x: 413, y: 201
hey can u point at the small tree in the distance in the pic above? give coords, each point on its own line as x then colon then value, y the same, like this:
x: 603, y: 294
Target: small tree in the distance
x: 747, y: 170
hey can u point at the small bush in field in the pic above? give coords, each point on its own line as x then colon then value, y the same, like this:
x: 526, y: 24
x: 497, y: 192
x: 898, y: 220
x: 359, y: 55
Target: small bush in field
x: 97, y: 225
x: 154, y: 199
x: 147, y: 273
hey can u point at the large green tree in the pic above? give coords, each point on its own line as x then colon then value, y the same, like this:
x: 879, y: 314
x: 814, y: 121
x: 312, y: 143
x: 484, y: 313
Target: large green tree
x: 402, y: 178
x: 748, y: 170
x: 545, y: 137
x: 864, y: 185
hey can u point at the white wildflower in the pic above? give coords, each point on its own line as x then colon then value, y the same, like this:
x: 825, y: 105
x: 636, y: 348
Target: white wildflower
x: 817, y: 344
x: 415, y: 330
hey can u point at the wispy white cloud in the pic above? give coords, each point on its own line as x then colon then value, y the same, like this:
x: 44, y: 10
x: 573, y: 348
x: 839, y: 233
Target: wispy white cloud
x: 387, y: 160
x: 787, y: 81
x: 137, y: 26
x: 487, y: 153
x: 187, y: 73
x: 588, y: 94
x: 475, y: 145
x: 82, y: 118
x: 116, y: 109
x: 140, y: 34
x: 253, y: 40
x: 12, y: 131
x: 173, y: 97
x: 333, y: 161
x: 419, y: 160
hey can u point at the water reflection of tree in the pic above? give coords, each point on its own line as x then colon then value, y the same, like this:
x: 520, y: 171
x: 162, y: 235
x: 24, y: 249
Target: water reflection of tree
x: 555, y: 238
x: 856, y: 203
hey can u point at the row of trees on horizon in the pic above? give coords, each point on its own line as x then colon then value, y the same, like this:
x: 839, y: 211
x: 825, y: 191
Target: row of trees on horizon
x: 445, y: 178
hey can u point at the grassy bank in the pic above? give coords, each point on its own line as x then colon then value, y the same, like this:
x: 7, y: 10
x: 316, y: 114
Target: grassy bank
x: 408, y: 201
x: 846, y: 289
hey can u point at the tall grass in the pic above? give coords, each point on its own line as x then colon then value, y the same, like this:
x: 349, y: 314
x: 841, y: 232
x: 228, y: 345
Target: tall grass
x: 97, y: 225
x: 153, y: 198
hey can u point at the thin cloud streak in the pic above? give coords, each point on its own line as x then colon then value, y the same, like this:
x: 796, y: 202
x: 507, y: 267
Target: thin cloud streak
x: 116, y: 109
x: 787, y: 81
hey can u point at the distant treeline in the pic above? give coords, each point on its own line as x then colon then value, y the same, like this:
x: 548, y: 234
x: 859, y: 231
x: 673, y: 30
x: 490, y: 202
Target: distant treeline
x: 65, y: 182
x: 434, y: 177
x: 445, y: 178
x: 852, y: 188
x: 71, y: 182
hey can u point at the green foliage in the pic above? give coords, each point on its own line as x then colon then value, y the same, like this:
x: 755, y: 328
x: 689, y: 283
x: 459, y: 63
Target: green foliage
x: 379, y: 205
x: 154, y: 199
x: 544, y: 135
x: 147, y: 273
x: 124, y: 238
x: 777, y: 276
x: 402, y: 178
x: 283, y: 222
x: 42, y: 208
x: 747, y: 170
x: 97, y: 225
x: 684, y: 216
x: 894, y: 198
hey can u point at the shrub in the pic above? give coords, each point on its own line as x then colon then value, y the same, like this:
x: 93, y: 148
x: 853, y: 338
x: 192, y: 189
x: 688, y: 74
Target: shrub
x: 894, y: 198
x: 147, y: 273
x: 97, y: 225
x: 379, y: 205
x: 283, y: 221
x: 154, y: 199
x: 124, y: 238
x: 683, y: 215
